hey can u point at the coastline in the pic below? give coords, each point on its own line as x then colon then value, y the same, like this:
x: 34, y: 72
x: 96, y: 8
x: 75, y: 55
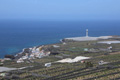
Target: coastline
x: 64, y: 39
x: 21, y: 50
x: 16, y: 55
x: 41, y: 50
x: 70, y: 53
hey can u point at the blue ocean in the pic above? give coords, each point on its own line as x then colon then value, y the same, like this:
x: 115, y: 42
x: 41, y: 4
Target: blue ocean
x: 18, y: 34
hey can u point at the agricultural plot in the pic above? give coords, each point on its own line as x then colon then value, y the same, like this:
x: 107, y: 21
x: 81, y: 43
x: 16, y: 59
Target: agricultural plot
x: 72, y: 71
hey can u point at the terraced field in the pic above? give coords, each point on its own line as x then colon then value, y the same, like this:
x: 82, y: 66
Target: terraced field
x: 71, y: 71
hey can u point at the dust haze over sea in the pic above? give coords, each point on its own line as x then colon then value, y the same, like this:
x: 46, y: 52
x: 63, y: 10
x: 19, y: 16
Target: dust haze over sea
x: 17, y: 34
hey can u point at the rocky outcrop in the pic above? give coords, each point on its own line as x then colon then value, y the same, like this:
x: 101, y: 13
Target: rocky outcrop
x: 9, y: 56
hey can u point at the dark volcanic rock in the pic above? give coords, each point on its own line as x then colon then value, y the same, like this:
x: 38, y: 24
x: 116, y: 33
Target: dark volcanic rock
x: 10, y: 56
x: 54, y: 53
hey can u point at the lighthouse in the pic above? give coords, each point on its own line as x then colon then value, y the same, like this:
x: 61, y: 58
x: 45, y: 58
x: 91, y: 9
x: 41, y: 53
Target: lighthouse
x: 86, y: 32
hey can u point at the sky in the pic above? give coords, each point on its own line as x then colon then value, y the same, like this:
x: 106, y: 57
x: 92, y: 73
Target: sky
x: 60, y: 9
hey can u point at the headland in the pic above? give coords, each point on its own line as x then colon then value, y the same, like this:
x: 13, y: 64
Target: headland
x: 73, y: 58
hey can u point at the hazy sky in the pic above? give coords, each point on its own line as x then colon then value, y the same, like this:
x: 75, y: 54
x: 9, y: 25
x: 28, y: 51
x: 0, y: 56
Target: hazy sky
x: 60, y: 9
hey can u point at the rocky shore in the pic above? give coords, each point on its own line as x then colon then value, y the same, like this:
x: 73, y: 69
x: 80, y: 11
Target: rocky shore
x: 45, y: 50
x: 36, y: 52
x: 59, y: 58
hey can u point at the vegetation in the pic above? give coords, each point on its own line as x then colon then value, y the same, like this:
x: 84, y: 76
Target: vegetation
x: 90, y: 70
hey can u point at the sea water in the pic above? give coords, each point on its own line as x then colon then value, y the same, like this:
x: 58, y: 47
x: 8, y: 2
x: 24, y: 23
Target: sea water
x: 18, y: 34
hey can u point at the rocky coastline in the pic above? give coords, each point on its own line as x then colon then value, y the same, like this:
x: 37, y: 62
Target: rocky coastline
x: 43, y: 50
x: 35, y: 52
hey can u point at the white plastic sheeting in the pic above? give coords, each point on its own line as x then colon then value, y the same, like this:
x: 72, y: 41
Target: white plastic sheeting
x: 69, y: 60
x: 88, y: 38
x: 109, y: 42
x: 47, y: 64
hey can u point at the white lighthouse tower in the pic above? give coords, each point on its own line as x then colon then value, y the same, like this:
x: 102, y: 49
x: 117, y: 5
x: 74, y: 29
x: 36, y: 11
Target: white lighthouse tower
x: 86, y: 32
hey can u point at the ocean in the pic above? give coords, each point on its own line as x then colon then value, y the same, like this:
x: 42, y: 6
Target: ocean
x: 18, y: 34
